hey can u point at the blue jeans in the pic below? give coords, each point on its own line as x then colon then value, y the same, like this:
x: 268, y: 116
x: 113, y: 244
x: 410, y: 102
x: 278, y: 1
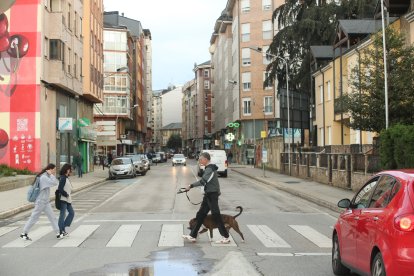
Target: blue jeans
x: 63, y: 220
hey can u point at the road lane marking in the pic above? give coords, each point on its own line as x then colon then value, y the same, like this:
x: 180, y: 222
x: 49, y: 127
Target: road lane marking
x: 267, y: 236
x: 136, y: 220
x: 6, y: 229
x: 171, y: 235
x: 313, y: 235
x: 78, y: 236
x: 124, y: 236
x: 294, y: 254
x: 34, y: 235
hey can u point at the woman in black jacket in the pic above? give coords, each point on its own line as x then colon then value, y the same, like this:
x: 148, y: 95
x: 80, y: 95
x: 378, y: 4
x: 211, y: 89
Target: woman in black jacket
x: 65, y: 190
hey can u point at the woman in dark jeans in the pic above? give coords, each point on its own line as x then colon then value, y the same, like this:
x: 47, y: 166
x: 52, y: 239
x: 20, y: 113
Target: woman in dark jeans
x: 65, y: 190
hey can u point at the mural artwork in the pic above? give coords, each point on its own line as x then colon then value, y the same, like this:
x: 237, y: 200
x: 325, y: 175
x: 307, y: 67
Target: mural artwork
x: 19, y: 91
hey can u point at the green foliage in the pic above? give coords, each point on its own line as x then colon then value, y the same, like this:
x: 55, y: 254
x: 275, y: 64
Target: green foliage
x: 303, y: 24
x: 366, y: 102
x: 7, y: 171
x: 397, y: 147
x: 174, y: 142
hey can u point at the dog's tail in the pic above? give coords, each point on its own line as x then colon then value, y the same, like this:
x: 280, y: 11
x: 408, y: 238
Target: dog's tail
x: 241, y: 210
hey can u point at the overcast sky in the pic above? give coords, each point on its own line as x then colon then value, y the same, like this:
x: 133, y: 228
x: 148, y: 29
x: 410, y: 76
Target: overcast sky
x: 181, y: 31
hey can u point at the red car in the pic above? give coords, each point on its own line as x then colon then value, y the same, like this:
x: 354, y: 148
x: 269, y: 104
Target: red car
x: 375, y: 234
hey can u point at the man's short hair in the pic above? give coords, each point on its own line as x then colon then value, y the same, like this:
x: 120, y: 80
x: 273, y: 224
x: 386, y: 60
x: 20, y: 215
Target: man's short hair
x: 206, y: 155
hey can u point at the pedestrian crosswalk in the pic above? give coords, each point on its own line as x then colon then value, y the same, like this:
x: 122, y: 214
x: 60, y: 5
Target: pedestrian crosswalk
x: 119, y: 234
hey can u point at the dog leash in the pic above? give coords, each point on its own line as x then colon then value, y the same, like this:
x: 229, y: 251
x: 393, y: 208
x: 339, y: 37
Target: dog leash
x: 183, y: 190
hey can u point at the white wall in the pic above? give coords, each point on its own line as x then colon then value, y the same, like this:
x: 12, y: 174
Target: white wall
x: 172, y: 106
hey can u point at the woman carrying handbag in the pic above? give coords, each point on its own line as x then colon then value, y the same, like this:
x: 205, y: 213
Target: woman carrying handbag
x: 65, y: 190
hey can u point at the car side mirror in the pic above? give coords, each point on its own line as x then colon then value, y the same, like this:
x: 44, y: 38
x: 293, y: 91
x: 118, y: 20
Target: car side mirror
x: 344, y: 203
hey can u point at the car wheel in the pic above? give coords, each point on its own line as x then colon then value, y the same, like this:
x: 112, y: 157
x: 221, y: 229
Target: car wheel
x: 224, y: 174
x: 378, y: 268
x: 337, y: 266
x: 185, y: 164
x: 144, y: 173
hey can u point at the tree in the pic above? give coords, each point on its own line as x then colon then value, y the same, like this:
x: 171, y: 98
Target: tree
x: 302, y: 24
x: 174, y: 142
x: 366, y: 101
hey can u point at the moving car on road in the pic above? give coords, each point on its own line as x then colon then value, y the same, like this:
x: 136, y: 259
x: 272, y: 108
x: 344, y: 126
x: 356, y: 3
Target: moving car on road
x: 122, y: 167
x: 141, y: 164
x: 375, y: 233
x: 178, y: 159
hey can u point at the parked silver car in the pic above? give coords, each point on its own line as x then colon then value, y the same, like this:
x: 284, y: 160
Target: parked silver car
x: 122, y: 167
x: 141, y: 164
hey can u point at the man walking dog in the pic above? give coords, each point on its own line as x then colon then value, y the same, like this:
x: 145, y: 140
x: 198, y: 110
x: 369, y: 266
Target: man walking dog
x: 210, y: 200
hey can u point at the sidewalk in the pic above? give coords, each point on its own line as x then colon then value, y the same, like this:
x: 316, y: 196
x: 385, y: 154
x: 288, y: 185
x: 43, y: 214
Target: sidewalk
x: 318, y: 193
x: 14, y: 201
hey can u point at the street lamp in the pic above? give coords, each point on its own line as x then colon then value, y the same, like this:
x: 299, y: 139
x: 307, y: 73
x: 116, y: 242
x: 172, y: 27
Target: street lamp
x: 260, y: 50
x: 384, y: 49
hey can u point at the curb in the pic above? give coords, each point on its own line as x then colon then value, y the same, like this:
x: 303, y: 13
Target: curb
x: 28, y: 206
x: 313, y: 199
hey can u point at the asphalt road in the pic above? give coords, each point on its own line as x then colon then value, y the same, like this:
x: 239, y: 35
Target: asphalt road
x: 135, y: 226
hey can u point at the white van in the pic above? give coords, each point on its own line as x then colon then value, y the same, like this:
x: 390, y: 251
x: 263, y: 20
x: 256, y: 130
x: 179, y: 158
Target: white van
x: 217, y: 157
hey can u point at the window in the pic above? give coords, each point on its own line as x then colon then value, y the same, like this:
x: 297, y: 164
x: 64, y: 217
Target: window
x: 247, y: 106
x: 361, y: 199
x: 268, y: 104
x: 246, y: 80
x: 206, y: 84
x: 75, y: 63
x: 245, y: 6
x: 267, y: 29
x: 75, y: 24
x: 329, y: 135
x: 69, y: 59
x: 321, y: 94
x: 269, y: 84
x: 56, y: 49
x: 385, y: 190
x: 118, y: 82
x: 321, y: 136
x: 266, y: 58
x: 245, y: 32
x: 116, y: 105
x: 69, y: 18
x: 328, y: 88
x: 206, y: 73
x: 246, y: 57
x: 267, y: 5
x: 55, y: 6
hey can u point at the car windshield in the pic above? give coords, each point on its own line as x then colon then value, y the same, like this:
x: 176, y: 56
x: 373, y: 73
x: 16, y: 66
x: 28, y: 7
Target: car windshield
x: 121, y: 161
x: 136, y: 158
x: 178, y: 156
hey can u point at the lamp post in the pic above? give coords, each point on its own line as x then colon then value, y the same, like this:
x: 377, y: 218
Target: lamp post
x: 384, y: 49
x: 260, y: 50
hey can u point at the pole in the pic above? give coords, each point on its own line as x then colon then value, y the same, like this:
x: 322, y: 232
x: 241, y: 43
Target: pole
x: 264, y: 175
x: 288, y: 108
x: 384, y: 49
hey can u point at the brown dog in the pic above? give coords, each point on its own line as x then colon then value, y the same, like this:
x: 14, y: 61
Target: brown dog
x: 210, y: 224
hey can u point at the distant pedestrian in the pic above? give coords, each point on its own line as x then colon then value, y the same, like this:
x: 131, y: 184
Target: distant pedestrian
x: 42, y: 203
x: 109, y: 158
x: 229, y: 157
x: 65, y: 190
x: 78, y: 164
x: 102, y: 161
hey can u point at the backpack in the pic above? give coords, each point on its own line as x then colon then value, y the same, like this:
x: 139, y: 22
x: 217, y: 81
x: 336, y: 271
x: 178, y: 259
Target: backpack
x: 34, y: 190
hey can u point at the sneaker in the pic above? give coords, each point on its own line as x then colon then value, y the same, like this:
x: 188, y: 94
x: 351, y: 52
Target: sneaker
x: 59, y: 236
x: 189, y: 238
x: 25, y: 237
x: 223, y: 240
x: 65, y: 234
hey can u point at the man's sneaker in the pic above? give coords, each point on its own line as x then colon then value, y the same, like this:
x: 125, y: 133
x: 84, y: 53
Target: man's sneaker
x: 189, y: 238
x: 59, y: 236
x: 25, y: 237
x: 65, y: 234
x: 223, y: 240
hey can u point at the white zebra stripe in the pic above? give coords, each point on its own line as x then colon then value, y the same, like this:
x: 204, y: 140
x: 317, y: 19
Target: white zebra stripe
x: 124, y: 236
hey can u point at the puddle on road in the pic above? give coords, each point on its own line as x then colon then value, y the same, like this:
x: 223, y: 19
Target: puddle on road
x: 163, y: 264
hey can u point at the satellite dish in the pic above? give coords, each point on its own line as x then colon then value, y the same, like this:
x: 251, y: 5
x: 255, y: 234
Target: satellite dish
x: 5, y: 5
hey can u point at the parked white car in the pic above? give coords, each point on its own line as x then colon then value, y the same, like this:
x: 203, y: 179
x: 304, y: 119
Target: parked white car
x: 179, y: 159
x: 217, y: 157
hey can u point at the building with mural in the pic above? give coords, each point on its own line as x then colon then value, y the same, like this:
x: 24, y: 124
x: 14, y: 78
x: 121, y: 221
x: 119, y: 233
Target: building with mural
x: 45, y: 112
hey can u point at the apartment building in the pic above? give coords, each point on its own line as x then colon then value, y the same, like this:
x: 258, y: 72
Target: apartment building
x: 239, y: 73
x: 47, y: 100
x: 148, y: 83
x: 122, y: 123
